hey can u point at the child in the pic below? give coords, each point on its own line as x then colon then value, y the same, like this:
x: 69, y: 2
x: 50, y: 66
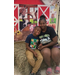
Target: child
x: 31, y: 46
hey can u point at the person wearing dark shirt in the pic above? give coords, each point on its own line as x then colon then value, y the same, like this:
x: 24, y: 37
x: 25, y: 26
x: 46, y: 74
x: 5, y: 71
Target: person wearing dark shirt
x: 31, y: 51
x: 49, y: 46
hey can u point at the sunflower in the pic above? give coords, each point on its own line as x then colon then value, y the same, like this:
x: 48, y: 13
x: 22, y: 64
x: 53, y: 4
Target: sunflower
x: 18, y: 32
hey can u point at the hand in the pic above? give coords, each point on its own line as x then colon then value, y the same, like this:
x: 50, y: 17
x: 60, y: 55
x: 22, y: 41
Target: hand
x: 40, y: 48
x: 35, y: 54
x: 39, y: 45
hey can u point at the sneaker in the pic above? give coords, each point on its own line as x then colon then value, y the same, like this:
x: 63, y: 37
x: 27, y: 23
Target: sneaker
x: 57, y: 70
x: 49, y: 71
x: 38, y: 72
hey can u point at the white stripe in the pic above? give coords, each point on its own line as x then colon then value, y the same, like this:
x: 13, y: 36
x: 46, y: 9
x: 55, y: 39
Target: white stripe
x: 16, y: 5
x: 17, y: 20
x: 38, y: 16
x: 15, y: 24
x: 43, y: 5
x: 44, y: 12
x: 45, y: 9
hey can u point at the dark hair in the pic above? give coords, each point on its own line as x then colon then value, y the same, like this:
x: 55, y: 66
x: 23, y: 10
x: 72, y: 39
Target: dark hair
x: 42, y: 17
x: 36, y: 27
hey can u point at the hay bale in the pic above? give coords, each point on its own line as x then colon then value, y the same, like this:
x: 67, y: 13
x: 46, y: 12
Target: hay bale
x: 20, y: 58
x: 16, y: 71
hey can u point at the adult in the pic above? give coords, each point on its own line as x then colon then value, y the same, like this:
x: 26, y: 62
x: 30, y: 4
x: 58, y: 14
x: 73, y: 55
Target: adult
x: 49, y: 46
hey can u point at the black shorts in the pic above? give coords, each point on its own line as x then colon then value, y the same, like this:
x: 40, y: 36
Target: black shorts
x: 55, y: 46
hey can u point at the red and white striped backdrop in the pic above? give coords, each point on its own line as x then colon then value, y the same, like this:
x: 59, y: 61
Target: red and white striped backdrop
x: 45, y: 10
x: 16, y: 16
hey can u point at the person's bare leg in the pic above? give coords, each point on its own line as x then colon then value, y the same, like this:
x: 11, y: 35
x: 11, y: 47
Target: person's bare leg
x: 46, y: 53
x: 56, y: 55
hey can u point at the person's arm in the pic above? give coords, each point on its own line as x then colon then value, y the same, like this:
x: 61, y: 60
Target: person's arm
x: 49, y: 44
x: 27, y: 46
x: 39, y: 45
x: 55, y: 39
